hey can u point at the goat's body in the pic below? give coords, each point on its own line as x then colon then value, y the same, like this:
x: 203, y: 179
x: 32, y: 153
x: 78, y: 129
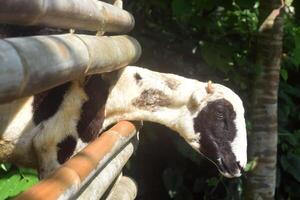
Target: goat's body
x: 133, y: 94
x: 141, y: 94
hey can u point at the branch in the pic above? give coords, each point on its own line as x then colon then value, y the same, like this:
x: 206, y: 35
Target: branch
x: 269, y: 21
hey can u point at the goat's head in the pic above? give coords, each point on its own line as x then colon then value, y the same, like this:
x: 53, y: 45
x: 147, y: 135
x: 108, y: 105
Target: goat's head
x: 220, y: 122
x: 210, y: 117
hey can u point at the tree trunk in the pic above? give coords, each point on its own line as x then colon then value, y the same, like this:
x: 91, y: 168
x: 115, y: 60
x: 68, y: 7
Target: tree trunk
x: 261, y: 181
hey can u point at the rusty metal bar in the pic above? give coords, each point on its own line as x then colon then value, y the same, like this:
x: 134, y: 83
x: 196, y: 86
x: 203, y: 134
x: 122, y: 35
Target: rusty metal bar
x: 103, y: 159
x: 101, y: 182
x: 124, y: 189
x: 32, y: 64
x: 91, y: 15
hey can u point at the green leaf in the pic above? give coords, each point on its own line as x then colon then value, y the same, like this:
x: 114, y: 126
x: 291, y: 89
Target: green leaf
x: 290, y: 89
x: 296, y: 51
x: 245, y: 3
x: 217, y: 55
x: 226, y: 4
x: 291, y: 164
x: 212, y: 182
x: 290, y: 139
x: 296, y: 56
x: 181, y: 9
x: 251, y: 165
x: 257, y: 69
x: 12, y: 183
x: 284, y: 74
x: 27, y: 172
x: 288, y: 2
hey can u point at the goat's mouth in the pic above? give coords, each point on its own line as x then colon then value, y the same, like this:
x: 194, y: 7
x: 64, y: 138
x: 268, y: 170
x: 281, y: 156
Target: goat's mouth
x: 229, y: 170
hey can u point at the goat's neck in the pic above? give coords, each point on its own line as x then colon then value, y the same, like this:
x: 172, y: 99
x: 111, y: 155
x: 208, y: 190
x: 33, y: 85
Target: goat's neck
x: 140, y: 94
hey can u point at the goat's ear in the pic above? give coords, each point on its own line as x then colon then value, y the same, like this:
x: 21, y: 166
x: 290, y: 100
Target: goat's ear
x: 209, y: 88
x: 195, y: 100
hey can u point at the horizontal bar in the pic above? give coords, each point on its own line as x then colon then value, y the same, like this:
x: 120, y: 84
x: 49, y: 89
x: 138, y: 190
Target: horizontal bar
x: 100, y: 183
x: 125, y: 188
x: 68, y: 180
x: 91, y: 15
x: 30, y: 65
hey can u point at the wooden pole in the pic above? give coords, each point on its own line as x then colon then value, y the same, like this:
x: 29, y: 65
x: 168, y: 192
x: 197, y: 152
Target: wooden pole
x: 32, y: 64
x: 91, y: 15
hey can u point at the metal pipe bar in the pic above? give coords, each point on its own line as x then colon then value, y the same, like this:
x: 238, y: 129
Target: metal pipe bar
x: 100, y: 183
x: 103, y: 159
x: 32, y: 64
x: 124, y: 189
x: 91, y: 15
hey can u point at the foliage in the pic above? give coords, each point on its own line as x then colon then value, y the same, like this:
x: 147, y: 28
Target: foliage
x: 224, y: 33
x: 288, y: 110
x: 14, y: 180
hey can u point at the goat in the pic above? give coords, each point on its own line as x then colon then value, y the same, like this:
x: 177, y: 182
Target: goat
x: 59, y: 122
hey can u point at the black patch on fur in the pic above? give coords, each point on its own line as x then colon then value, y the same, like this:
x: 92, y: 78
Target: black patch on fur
x: 151, y: 99
x: 217, y: 128
x: 66, y: 149
x: 92, y: 115
x: 46, y: 104
x: 137, y: 77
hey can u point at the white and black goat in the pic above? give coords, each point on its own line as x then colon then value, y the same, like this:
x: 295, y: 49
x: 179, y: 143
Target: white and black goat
x: 62, y: 120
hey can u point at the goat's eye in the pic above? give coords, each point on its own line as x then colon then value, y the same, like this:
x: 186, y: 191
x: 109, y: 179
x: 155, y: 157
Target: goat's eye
x: 219, y: 115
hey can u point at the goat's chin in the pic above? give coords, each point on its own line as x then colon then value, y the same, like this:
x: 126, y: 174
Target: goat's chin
x: 229, y: 170
x: 228, y: 175
x: 233, y: 172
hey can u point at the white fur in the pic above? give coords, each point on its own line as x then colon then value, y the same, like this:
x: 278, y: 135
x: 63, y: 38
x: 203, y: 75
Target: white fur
x: 54, y: 130
x: 187, y: 94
